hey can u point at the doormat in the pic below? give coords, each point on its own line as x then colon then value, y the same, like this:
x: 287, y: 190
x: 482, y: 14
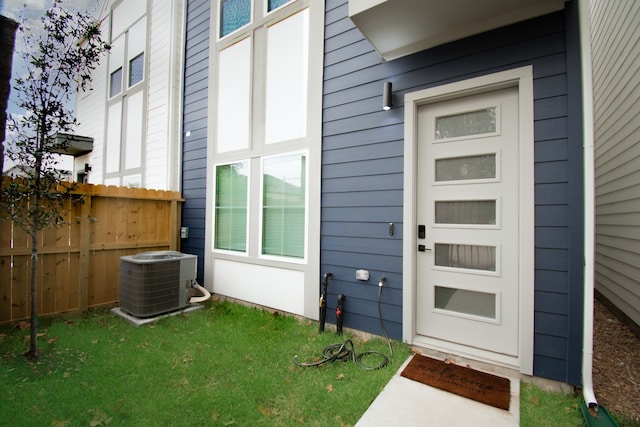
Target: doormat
x: 486, y: 388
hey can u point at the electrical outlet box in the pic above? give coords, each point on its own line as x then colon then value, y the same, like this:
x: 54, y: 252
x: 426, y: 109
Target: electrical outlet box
x: 362, y: 275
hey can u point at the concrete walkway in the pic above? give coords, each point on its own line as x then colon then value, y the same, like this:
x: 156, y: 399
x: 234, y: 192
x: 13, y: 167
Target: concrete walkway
x: 404, y: 402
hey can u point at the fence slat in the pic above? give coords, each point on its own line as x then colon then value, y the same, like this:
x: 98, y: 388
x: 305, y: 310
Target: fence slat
x: 5, y: 288
x: 20, y: 285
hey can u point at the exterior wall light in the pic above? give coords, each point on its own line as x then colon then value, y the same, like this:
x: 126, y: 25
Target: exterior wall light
x: 387, y: 96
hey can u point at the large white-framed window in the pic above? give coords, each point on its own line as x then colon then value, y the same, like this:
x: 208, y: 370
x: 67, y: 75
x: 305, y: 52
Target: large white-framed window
x: 265, y: 109
x: 254, y: 120
x: 126, y: 94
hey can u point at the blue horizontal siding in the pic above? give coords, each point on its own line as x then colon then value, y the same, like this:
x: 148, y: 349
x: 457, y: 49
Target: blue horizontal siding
x: 362, y: 168
x: 195, y: 112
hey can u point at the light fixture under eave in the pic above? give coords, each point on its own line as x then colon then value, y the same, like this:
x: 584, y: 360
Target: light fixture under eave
x: 387, y: 96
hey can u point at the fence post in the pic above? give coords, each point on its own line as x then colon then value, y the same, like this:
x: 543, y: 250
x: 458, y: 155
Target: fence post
x: 85, y: 245
x: 174, y: 224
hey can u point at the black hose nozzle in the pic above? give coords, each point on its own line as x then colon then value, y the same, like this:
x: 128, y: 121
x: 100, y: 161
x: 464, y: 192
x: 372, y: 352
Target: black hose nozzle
x: 339, y: 314
x: 323, y: 299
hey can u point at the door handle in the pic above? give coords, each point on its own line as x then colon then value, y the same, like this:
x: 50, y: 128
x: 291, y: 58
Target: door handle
x: 423, y: 248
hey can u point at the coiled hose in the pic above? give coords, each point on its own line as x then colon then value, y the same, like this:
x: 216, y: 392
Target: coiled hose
x: 346, y: 351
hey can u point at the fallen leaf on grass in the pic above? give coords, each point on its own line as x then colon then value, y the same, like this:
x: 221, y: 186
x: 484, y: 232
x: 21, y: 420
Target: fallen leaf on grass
x: 340, y: 376
x: 330, y: 388
x: 53, y: 340
x: 266, y: 411
x: 535, y: 400
x: 60, y: 423
x: 22, y: 325
x: 100, y: 418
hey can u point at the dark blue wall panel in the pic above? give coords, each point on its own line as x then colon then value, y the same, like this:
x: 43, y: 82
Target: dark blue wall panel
x: 362, y: 169
x: 194, y: 146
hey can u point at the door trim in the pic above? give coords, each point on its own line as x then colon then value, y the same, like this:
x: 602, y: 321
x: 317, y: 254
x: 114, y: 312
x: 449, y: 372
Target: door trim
x: 522, y: 78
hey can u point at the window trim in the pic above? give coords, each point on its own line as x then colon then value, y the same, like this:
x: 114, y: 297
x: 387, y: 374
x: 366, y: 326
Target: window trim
x: 246, y: 251
x: 283, y: 258
x: 127, y: 91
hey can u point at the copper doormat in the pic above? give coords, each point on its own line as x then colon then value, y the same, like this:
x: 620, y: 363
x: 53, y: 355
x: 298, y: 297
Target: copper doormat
x: 466, y: 382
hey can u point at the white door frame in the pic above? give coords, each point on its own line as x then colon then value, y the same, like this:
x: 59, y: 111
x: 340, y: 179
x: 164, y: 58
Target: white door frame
x: 522, y: 78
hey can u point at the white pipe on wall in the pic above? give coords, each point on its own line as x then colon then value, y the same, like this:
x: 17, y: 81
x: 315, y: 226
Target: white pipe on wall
x: 589, y: 202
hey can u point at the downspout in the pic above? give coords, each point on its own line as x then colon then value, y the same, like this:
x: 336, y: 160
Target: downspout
x: 589, y: 202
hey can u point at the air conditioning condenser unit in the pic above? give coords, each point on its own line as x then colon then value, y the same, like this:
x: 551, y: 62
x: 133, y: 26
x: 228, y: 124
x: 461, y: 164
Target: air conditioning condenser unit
x: 153, y: 283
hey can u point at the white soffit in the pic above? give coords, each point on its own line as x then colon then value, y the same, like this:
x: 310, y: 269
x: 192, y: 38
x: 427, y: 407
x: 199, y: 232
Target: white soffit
x: 401, y: 27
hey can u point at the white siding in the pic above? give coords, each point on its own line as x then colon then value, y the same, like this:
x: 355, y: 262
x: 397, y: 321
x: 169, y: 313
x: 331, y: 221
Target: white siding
x: 616, y: 74
x: 91, y: 112
x: 166, y: 40
x: 164, y: 51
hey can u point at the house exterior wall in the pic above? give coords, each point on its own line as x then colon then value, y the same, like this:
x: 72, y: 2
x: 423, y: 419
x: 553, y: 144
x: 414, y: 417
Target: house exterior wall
x: 160, y: 139
x: 362, y: 165
x: 616, y: 74
x: 363, y: 170
x: 194, y: 132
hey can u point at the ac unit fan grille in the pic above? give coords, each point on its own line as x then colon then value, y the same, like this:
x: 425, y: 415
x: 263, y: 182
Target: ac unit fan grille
x: 150, y: 288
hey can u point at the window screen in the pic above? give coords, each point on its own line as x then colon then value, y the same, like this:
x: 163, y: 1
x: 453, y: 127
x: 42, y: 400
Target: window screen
x: 231, y: 207
x: 283, y: 205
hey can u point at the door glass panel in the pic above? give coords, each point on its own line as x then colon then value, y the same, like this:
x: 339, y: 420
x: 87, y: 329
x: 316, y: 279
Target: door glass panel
x: 469, y: 167
x: 467, y: 302
x: 466, y: 212
x: 473, y: 257
x: 466, y: 124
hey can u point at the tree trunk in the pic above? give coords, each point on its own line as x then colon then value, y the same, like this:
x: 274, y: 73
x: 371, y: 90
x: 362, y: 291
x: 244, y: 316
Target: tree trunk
x: 33, y: 347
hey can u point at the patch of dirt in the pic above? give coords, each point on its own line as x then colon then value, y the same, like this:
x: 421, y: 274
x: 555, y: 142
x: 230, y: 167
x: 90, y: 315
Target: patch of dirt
x: 616, y: 364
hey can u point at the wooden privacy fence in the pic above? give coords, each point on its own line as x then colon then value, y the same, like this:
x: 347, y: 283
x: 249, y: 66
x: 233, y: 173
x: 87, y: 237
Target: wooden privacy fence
x: 79, y: 263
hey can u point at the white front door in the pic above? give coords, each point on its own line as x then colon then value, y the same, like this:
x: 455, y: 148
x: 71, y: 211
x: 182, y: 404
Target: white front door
x: 467, y: 215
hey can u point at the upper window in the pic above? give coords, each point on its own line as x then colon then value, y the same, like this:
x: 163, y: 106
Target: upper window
x: 136, y: 69
x: 274, y: 4
x: 115, y: 83
x: 233, y: 15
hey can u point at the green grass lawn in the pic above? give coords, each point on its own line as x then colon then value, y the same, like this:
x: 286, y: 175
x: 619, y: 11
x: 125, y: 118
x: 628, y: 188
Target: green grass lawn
x: 226, y: 364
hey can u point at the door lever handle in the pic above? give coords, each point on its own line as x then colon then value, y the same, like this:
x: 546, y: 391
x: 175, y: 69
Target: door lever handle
x: 423, y: 248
